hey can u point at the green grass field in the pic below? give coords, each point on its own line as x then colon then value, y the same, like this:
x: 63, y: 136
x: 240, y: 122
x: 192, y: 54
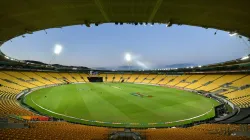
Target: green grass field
x: 121, y: 104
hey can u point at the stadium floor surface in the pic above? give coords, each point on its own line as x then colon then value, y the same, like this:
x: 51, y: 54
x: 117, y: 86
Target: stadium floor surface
x: 121, y: 104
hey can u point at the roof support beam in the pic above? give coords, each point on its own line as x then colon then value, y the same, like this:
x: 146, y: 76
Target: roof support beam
x: 157, y: 6
x: 100, y: 6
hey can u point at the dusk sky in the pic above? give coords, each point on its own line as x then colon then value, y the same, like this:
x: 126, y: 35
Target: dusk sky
x: 105, y: 45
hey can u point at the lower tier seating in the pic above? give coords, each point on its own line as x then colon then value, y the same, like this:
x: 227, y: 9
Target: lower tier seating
x: 67, y: 131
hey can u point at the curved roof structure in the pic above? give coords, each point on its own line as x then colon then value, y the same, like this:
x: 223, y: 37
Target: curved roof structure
x: 18, y: 17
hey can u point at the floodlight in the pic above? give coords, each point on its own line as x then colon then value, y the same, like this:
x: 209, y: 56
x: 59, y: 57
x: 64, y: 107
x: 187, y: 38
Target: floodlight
x: 199, y: 66
x: 245, y: 57
x: 58, y: 49
x: 128, y: 57
x: 232, y: 33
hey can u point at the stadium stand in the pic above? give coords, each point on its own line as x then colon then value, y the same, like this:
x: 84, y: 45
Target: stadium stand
x: 177, y: 80
x: 166, y: 79
x: 190, y: 80
x: 48, y: 78
x: 185, y: 133
x: 241, y: 82
x: 77, y: 77
x: 68, y: 77
x: 157, y: 79
x: 15, y: 80
x: 25, y: 78
x: 38, y: 78
x: 117, y: 77
x: 84, y: 77
x: 149, y: 78
x: 132, y: 78
x: 57, y: 76
x: 103, y: 76
x: 226, y: 79
x: 25, y: 17
x: 203, y: 81
x: 10, y: 106
x: 50, y: 131
x: 240, y: 97
x: 125, y: 77
x: 12, y: 85
x: 110, y: 77
x: 140, y: 78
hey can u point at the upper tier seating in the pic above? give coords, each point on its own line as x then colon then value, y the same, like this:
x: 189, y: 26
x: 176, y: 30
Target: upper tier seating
x: 141, y: 78
x: 157, y: 79
x: 177, y: 80
x: 190, y: 80
x: 132, y: 78
x: 77, y: 77
x: 117, y: 77
x: 48, y: 78
x: 125, y: 77
x: 84, y: 77
x: 110, y: 77
x: 221, y: 81
x: 167, y: 79
x: 203, y: 80
x: 149, y: 78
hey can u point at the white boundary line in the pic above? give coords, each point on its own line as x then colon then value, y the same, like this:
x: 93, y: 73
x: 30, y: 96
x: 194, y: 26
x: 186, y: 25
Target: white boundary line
x: 55, y: 112
x: 115, y: 122
x: 116, y: 87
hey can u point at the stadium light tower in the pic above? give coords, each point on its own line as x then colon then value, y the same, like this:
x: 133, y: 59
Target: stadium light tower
x: 57, y: 51
x: 128, y: 58
x: 245, y: 58
x: 233, y: 33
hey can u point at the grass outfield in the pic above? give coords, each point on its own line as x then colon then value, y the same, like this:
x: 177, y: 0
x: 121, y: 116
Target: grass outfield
x: 121, y: 104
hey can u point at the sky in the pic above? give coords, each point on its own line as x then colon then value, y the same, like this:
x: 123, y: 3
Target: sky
x: 105, y: 45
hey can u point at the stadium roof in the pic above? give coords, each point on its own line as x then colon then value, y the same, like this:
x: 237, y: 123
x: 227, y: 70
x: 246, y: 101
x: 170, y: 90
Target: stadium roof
x: 25, y: 16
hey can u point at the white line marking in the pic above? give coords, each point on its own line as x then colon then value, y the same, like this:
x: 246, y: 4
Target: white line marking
x: 107, y: 122
x: 116, y: 87
x: 117, y: 122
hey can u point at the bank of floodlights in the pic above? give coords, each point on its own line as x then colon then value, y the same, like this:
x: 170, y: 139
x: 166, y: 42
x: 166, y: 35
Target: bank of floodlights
x: 128, y: 57
x: 233, y: 33
x: 58, y: 49
x: 245, y: 58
